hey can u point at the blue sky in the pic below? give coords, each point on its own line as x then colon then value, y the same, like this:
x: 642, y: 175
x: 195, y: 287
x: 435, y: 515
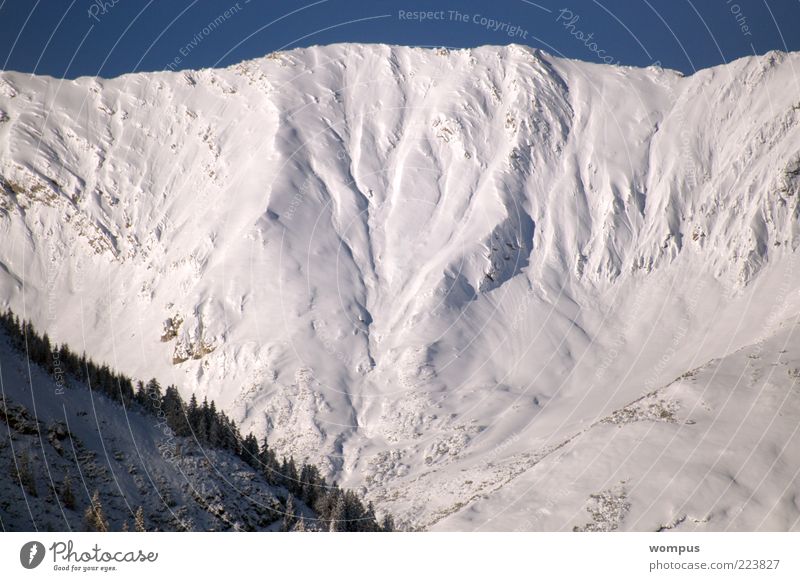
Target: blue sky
x: 69, y: 38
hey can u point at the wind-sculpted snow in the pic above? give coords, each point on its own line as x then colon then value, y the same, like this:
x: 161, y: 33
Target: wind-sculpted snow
x: 423, y: 269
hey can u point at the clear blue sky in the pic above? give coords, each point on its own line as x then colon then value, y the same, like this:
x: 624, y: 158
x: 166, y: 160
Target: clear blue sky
x: 70, y: 38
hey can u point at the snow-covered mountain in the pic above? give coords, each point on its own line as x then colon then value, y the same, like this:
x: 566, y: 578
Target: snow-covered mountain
x: 428, y: 270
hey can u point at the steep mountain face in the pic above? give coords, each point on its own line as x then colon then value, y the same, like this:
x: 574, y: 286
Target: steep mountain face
x: 423, y: 268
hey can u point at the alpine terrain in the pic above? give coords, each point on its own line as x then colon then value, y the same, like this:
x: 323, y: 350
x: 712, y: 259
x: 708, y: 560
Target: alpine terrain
x: 487, y: 288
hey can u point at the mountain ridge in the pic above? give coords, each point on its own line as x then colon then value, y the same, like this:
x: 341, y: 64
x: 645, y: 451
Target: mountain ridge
x: 394, y: 260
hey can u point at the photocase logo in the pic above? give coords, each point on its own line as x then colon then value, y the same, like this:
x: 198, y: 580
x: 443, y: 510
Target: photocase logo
x: 32, y: 554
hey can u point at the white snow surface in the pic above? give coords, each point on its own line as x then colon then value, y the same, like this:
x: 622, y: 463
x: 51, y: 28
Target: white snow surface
x: 429, y: 270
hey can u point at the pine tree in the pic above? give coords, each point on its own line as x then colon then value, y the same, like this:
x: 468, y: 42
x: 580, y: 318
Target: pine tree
x: 268, y: 463
x: 138, y: 521
x: 234, y: 437
x: 326, y: 501
x: 250, y: 452
x: 66, y: 494
x: 338, y: 515
x: 201, y: 430
x: 141, y: 395
x: 193, y: 412
x: 125, y: 387
x: 174, y: 412
x: 387, y: 524
x: 67, y: 359
x: 370, y: 523
x: 309, y: 484
x: 229, y: 433
x: 47, y: 355
x: 153, y: 390
x: 94, y: 517
x: 289, y: 514
x: 292, y: 477
x: 300, y: 527
x: 23, y: 473
x: 215, y: 437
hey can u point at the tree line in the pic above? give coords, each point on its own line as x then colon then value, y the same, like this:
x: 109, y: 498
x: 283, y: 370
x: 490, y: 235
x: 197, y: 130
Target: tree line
x: 337, y: 509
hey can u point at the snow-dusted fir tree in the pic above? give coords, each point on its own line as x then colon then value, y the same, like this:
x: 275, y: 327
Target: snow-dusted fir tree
x: 289, y: 514
x: 300, y: 527
x: 66, y: 494
x: 24, y: 473
x: 138, y: 520
x: 94, y: 517
x: 338, y: 515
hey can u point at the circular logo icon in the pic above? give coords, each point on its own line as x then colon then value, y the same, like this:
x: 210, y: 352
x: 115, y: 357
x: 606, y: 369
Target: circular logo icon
x: 31, y: 554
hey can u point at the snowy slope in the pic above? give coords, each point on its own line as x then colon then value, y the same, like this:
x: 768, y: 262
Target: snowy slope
x: 713, y: 450
x: 73, y: 433
x: 407, y: 263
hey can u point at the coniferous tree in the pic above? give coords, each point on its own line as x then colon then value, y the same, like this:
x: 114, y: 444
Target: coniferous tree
x: 338, y: 515
x: 125, y: 389
x: 202, y: 429
x: 283, y: 470
x: 229, y: 434
x: 250, y: 451
x: 66, y: 494
x: 387, y: 524
x: 193, y: 415
x: 215, y: 437
x: 300, y: 526
x: 369, y: 523
x: 289, y: 514
x: 326, y: 501
x: 174, y: 412
x: 292, y: 477
x: 138, y: 521
x: 153, y: 390
x: 309, y: 484
x: 353, y: 511
x: 23, y: 472
x: 67, y: 360
x: 140, y: 395
x: 46, y: 354
x: 268, y: 463
x: 235, y: 437
x: 94, y: 517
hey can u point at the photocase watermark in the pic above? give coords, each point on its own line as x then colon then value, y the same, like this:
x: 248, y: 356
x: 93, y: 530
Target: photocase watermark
x: 169, y: 445
x: 100, y: 8
x: 305, y: 188
x: 94, y: 559
x: 203, y: 34
x: 498, y: 449
x: 51, y: 307
x: 31, y: 554
x: 297, y: 199
x: 508, y: 28
x: 568, y: 19
x: 738, y: 15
